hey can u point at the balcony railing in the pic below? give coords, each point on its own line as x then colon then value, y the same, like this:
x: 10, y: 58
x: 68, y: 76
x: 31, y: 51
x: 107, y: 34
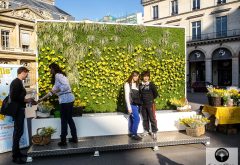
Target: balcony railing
x: 215, y: 35
x: 16, y: 50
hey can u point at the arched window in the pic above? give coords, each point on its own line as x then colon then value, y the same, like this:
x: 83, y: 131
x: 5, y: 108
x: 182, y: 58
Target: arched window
x: 221, y: 54
x: 196, y: 55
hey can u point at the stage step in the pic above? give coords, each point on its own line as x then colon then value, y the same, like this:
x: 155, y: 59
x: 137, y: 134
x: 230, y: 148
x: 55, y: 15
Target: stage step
x: 115, y: 142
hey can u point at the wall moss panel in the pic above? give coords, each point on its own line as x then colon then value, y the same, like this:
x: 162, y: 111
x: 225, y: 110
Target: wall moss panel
x: 98, y: 58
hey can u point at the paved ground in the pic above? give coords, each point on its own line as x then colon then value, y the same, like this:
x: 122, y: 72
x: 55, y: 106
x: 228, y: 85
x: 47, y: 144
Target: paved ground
x: 197, y: 99
x: 193, y: 154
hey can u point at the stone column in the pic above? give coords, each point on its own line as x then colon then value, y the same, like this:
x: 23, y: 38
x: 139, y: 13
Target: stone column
x: 17, y: 35
x: 235, y: 71
x: 208, y: 70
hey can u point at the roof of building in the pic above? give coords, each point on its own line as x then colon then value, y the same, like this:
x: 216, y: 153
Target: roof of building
x: 54, y: 10
x: 108, y: 18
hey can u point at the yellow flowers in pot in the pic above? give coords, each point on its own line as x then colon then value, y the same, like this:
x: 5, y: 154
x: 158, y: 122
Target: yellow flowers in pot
x: 194, y: 121
x: 181, y: 104
x: 47, y: 131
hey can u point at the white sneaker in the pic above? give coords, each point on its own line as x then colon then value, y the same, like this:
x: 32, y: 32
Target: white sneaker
x: 145, y: 133
x: 154, y: 136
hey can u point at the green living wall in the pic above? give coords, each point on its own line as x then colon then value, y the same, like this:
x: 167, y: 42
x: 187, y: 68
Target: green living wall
x: 98, y: 58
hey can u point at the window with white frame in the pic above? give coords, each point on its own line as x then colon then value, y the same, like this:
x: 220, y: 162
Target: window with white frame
x: 174, y: 7
x: 196, y: 4
x: 196, y: 30
x: 155, y: 12
x: 5, y: 39
x: 25, y: 41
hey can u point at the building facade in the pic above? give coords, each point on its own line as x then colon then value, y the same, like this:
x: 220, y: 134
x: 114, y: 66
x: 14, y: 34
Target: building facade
x: 135, y: 18
x: 212, y: 36
x: 18, y: 31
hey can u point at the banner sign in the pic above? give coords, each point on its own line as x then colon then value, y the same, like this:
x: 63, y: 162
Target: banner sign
x: 7, y: 74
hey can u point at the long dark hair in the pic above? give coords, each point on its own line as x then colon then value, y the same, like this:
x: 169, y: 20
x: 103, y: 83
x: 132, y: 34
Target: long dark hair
x: 56, y: 69
x: 129, y: 80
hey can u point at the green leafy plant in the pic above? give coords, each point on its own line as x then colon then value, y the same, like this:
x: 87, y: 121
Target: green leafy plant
x: 47, y: 131
x: 45, y: 107
x: 102, y: 57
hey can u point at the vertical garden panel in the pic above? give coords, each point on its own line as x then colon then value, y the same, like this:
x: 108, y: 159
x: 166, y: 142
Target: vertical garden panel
x: 98, y: 58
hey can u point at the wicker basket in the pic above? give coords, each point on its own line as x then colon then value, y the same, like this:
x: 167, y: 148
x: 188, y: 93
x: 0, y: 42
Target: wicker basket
x: 195, y: 132
x: 39, y: 139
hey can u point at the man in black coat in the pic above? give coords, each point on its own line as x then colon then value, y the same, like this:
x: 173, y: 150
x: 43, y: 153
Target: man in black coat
x: 17, y: 95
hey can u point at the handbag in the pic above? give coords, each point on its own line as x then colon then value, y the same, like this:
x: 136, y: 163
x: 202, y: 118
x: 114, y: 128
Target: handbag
x: 9, y: 108
x: 135, y: 97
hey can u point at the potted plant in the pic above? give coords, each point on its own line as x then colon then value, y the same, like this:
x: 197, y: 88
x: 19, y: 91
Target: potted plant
x: 214, y: 95
x: 78, y: 107
x: 44, y: 109
x: 43, y: 136
x: 234, y: 95
x: 181, y: 104
x: 195, y: 125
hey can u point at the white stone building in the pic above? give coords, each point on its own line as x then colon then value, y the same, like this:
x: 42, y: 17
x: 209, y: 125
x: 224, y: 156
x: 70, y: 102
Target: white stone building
x: 135, y: 18
x: 212, y: 35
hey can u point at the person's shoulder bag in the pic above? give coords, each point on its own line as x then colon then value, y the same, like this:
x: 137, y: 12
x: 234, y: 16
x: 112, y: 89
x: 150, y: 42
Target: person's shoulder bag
x: 135, y: 97
x: 9, y: 108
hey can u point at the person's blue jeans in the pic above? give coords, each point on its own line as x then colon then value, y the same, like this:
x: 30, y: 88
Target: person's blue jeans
x: 134, y: 120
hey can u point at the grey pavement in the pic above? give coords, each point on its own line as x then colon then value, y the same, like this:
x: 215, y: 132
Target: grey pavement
x: 192, y: 154
x: 197, y: 99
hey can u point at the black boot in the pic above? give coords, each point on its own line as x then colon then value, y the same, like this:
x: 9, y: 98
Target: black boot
x: 18, y: 160
x: 22, y: 155
x: 73, y: 140
x: 62, y: 142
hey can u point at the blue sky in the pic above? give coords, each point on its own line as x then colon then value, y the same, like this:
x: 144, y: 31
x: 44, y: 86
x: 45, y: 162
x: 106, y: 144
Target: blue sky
x: 96, y: 9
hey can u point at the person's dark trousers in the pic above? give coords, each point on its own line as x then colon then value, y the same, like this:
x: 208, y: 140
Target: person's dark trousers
x: 134, y: 120
x: 66, y: 110
x: 18, y: 132
x: 149, y: 115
